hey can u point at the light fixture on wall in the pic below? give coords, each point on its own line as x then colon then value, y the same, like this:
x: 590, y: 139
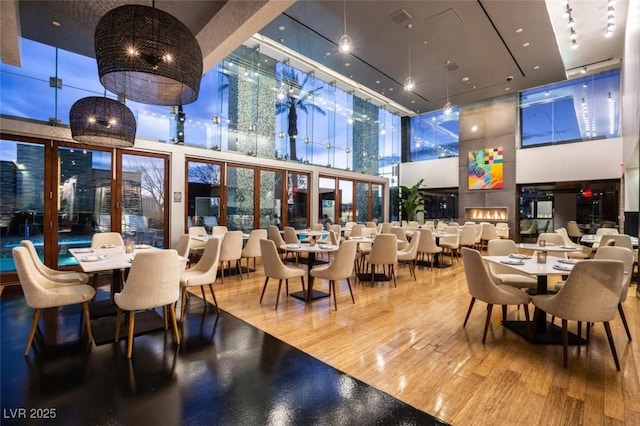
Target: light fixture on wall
x: 102, y: 121
x: 409, y: 82
x: 148, y: 56
x: 345, y: 44
x: 281, y: 93
x: 447, y: 108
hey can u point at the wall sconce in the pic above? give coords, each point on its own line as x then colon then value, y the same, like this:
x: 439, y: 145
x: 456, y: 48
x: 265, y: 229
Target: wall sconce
x: 216, y: 119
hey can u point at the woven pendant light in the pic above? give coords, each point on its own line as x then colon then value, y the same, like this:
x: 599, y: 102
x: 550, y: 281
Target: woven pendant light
x: 102, y: 121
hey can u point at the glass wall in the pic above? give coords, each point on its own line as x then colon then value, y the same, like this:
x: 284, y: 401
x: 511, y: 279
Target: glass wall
x: 239, y: 199
x: 22, y: 168
x: 297, y: 200
x: 271, y: 190
x: 204, y: 194
x: 572, y: 111
x: 434, y: 135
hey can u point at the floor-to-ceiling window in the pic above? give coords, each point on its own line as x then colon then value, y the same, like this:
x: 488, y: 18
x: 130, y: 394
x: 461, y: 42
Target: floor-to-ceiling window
x: 271, y: 189
x: 204, y: 194
x: 240, y: 195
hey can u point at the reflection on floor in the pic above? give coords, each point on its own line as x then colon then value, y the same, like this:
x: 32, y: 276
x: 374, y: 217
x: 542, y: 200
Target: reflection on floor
x: 224, y: 372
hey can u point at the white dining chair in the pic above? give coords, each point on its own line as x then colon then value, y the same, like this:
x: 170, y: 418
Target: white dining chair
x: 58, y: 278
x: 251, y: 248
x: 231, y: 251
x: 340, y: 269
x: 276, y: 269
x: 202, y: 273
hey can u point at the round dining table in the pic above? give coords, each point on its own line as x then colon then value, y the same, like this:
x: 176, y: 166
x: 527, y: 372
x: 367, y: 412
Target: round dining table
x: 311, y: 250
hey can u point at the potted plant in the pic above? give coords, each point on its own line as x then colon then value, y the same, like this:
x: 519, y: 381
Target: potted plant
x: 411, y: 200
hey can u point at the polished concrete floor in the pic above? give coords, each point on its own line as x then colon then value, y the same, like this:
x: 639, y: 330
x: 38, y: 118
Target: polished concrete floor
x: 225, y: 372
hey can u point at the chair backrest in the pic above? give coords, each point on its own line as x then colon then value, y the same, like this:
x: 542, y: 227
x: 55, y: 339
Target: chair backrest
x: 427, y: 243
x: 183, y: 245
x: 333, y: 238
x: 33, y: 253
x: 252, y: 247
x: 386, y: 228
x: 317, y: 227
x: 488, y: 232
x: 34, y: 285
x: 500, y: 247
x: 411, y: 251
x: 231, y: 248
x: 624, y: 255
x: 592, y: 291
x: 343, y: 260
x: 454, y: 238
x: 606, y: 231
x: 467, y: 223
x: 207, y: 265
x: 551, y: 238
x: 290, y: 236
x: 468, y: 235
x: 479, y: 283
x: 195, y: 231
x: 565, y: 237
x: 441, y: 225
x: 271, y: 262
x: 617, y: 240
x: 106, y: 238
x: 369, y: 232
x: 356, y: 230
x: 219, y: 230
x: 336, y: 228
x: 404, y: 224
x: 275, y: 236
x: 370, y: 224
x: 573, y: 230
x: 349, y: 224
x: 154, y: 280
x: 384, y: 250
x: 413, y: 224
x: 399, y: 233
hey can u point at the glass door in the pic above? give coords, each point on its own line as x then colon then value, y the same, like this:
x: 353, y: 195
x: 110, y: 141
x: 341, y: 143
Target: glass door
x: 271, y: 193
x: 297, y: 200
x: 204, y: 194
x: 240, y: 196
x: 84, y: 204
x: 345, y: 194
x: 327, y: 201
x: 362, y: 202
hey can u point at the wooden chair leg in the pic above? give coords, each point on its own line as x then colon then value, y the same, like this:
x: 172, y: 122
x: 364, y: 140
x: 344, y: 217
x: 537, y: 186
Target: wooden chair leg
x: 392, y: 272
x: 504, y: 313
x: 486, y: 322
x: 87, y: 319
x: 332, y: 287
x: 565, y: 343
x: 116, y: 336
x: 213, y: 294
x: 350, y: 291
x: 278, y: 296
x: 466, y: 318
x: 624, y: 321
x: 164, y: 317
x: 172, y: 312
x: 34, y: 326
x: 528, y: 321
x: 132, y: 322
x: 612, y: 345
x: 183, y: 304
x: 264, y: 287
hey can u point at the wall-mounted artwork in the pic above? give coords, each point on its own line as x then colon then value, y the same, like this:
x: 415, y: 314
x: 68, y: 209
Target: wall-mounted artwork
x: 485, y: 168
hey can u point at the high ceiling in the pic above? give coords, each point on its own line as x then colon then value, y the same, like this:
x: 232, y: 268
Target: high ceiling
x: 492, y: 47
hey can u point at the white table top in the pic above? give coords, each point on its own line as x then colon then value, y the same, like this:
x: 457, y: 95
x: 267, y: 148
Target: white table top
x: 531, y: 266
x: 361, y: 239
x: 547, y: 248
x: 308, y: 248
x: 309, y: 233
x: 207, y: 237
x: 439, y: 234
x: 109, y: 258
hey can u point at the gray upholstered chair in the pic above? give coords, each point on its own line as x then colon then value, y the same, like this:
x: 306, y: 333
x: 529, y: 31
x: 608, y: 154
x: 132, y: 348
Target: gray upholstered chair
x: 340, y: 269
x: 590, y: 294
x: 504, y: 275
x: 231, y: 251
x: 153, y: 281
x: 427, y: 246
x: 482, y: 288
x: 384, y: 253
x: 41, y: 293
x: 409, y: 254
x: 276, y: 269
x: 57, y: 278
x: 251, y: 248
x: 202, y: 273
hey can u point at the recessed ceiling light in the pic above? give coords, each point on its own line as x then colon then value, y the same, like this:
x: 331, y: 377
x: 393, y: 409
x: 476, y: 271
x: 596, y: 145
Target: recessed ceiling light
x: 525, y: 44
x: 506, y: 89
x: 537, y: 67
x: 347, y: 64
x: 327, y: 53
x: 413, y: 102
x: 465, y: 79
x: 56, y: 23
x: 281, y: 40
x: 425, y: 42
x: 391, y: 89
x: 474, y: 128
x: 519, y: 30
x: 377, y: 81
x: 282, y: 27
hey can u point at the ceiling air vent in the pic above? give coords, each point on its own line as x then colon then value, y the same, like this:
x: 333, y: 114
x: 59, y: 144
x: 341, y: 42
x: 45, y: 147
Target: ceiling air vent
x: 400, y: 16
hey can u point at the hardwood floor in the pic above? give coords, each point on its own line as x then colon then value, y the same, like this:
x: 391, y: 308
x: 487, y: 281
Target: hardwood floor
x: 409, y: 342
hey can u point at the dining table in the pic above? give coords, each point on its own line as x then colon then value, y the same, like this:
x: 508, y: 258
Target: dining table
x: 311, y: 250
x: 438, y: 256
x: 545, y: 331
x: 593, y: 239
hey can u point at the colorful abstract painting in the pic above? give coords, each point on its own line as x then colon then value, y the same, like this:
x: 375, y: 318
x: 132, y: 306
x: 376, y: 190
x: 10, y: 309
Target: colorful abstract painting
x: 485, y: 169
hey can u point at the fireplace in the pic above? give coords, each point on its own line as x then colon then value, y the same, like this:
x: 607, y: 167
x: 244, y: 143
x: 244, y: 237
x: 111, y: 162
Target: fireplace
x: 495, y: 214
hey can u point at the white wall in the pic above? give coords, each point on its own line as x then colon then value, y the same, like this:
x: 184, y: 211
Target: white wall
x: 440, y: 173
x: 591, y: 160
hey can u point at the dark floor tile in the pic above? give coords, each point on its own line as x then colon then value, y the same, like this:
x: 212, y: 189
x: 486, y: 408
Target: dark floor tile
x: 225, y: 372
